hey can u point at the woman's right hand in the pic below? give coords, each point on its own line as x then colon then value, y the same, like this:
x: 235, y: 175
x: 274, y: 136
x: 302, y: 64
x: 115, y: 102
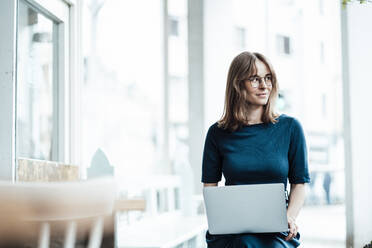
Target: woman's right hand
x: 293, y: 228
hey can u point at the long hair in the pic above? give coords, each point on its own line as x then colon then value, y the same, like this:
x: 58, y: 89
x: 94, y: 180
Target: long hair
x: 236, y: 105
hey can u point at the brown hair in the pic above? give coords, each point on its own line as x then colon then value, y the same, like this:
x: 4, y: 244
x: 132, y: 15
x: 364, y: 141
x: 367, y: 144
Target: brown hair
x: 235, y: 109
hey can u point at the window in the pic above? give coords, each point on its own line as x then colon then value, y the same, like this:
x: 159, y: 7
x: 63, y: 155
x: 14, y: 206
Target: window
x: 324, y: 105
x: 122, y: 95
x: 37, y: 102
x: 321, y: 7
x: 240, y: 40
x: 41, y: 49
x: 321, y: 52
x: 177, y: 106
x: 43, y: 81
x: 287, y: 2
x: 283, y: 44
x: 173, y: 26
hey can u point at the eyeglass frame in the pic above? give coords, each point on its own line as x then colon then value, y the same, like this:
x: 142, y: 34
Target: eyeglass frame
x: 256, y: 84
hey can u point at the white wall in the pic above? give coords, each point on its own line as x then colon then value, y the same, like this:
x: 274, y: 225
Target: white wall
x: 357, y: 60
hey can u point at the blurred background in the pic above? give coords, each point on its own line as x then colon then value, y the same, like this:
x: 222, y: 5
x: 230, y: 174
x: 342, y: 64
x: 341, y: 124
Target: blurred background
x: 151, y: 80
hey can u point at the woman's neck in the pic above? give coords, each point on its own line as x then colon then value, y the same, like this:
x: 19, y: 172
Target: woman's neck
x: 254, y: 114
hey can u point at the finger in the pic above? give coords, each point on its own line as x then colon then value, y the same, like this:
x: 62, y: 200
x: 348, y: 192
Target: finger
x: 290, y: 236
x: 292, y: 231
x: 296, y: 231
x: 294, y: 234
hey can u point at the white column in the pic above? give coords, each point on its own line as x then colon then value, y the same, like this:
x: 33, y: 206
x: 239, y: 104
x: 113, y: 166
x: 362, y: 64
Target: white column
x: 211, y: 50
x: 8, y: 10
x: 166, y: 150
x: 76, y: 81
x: 196, y: 86
x: 357, y: 60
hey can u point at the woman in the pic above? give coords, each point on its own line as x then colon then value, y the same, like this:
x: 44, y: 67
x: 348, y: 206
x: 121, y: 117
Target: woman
x: 251, y: 144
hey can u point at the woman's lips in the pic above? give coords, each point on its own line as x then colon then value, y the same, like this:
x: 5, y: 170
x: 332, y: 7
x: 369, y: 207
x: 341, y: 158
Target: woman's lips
x: 262, y: 95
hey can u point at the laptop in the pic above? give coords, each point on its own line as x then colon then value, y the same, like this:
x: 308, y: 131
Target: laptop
x: 254, y: 208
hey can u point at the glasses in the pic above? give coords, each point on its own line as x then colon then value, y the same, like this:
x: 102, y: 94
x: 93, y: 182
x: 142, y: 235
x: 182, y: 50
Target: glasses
x: 256, y: 80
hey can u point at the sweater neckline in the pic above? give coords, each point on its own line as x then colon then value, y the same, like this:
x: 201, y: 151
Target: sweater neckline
x: 260, y: 125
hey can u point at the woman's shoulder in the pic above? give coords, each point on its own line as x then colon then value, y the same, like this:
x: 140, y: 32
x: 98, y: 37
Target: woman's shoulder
x: 214, y: 132
x: 292, y: 122
x: 215, y: 127
x: 288, y: 119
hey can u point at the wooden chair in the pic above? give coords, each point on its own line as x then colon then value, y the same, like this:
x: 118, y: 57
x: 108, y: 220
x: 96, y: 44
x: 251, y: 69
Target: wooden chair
x: 62, y: 205
x: 46, y: 172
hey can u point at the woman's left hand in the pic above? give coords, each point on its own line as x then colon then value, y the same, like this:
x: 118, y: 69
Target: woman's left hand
x: 293, y: 228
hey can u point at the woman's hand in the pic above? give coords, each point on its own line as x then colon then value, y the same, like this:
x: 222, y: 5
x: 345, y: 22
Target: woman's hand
x: 293, y: 228
x: 296, y: 200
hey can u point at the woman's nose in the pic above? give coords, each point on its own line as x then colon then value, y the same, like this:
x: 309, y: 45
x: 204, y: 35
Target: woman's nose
x: 262, y: 84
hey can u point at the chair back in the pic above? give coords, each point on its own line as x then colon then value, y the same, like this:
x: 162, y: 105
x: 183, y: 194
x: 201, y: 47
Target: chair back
x: 62, y: 205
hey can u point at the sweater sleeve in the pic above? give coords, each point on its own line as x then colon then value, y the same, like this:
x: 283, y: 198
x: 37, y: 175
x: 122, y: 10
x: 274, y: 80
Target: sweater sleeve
x: 297, y: 155
x: 212, y: 161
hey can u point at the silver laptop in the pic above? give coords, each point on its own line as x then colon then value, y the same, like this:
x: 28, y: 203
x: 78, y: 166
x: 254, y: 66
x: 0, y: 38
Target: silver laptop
x: 255, y: 208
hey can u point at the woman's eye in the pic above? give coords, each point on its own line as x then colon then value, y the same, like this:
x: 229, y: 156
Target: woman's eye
x: 268, y: 78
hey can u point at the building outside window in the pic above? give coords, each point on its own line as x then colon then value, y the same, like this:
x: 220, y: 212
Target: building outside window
x: 37, y: 97
x: 43, y: 125
x: 122, y: 94
x: 321, y: 52
x: 240, y: 38
x: 173, y: 26
x: 283, y: 44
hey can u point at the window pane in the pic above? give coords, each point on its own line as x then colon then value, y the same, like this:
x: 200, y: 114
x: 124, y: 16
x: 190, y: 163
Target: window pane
x: 122, y: 95
x: 240, y: 38
x: 178, y: 91
x: 35, y: 100
x: 173, y: 26
x: 283, y: 44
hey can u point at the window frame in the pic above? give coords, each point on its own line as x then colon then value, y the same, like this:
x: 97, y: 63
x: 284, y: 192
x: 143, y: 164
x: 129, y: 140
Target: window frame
x: 68, y: 67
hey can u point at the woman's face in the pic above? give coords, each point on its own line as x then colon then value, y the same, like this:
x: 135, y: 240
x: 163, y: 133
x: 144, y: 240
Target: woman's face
x: 258, y: 90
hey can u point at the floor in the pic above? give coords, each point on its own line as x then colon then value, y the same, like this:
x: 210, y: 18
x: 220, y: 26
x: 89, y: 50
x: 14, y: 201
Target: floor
x: 322, y: 226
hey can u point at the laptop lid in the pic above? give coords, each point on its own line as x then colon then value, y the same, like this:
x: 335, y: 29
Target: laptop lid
x: 254, y: 208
